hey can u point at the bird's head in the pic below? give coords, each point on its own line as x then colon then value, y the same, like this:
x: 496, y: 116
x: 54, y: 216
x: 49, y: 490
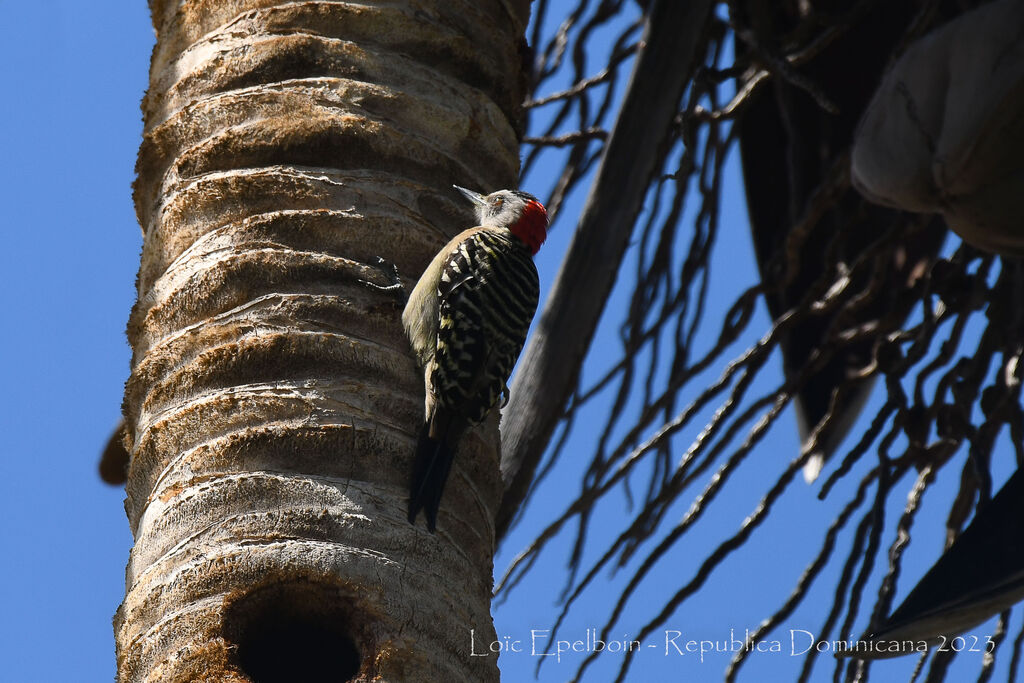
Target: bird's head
x: 521, y: 213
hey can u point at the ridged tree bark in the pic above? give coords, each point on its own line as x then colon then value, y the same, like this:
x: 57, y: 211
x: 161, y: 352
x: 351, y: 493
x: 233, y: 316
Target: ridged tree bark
x: 273, y: 401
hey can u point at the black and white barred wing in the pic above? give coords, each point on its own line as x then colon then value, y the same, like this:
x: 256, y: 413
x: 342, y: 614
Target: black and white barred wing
x: 487, y: 298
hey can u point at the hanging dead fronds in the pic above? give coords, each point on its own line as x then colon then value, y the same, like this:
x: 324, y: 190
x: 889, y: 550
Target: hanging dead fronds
x: 857, y: 295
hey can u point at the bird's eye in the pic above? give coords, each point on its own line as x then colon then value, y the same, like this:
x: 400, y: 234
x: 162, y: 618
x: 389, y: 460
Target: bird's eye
x: 497, y: 202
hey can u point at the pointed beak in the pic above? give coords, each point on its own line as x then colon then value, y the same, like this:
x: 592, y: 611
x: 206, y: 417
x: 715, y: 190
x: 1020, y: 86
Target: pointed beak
x: 474, y: 197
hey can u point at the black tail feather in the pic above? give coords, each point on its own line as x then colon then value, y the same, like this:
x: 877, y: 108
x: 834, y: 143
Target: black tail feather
x: 433, y: 463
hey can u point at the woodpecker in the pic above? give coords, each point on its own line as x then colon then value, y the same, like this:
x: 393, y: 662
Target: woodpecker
x: 466, y: 320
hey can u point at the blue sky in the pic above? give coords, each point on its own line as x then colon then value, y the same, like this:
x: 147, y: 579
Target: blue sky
x: 75, y: 74
x: 71, y: 123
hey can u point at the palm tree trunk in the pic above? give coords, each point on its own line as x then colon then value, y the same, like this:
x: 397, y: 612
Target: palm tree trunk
x: 273, y: 400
